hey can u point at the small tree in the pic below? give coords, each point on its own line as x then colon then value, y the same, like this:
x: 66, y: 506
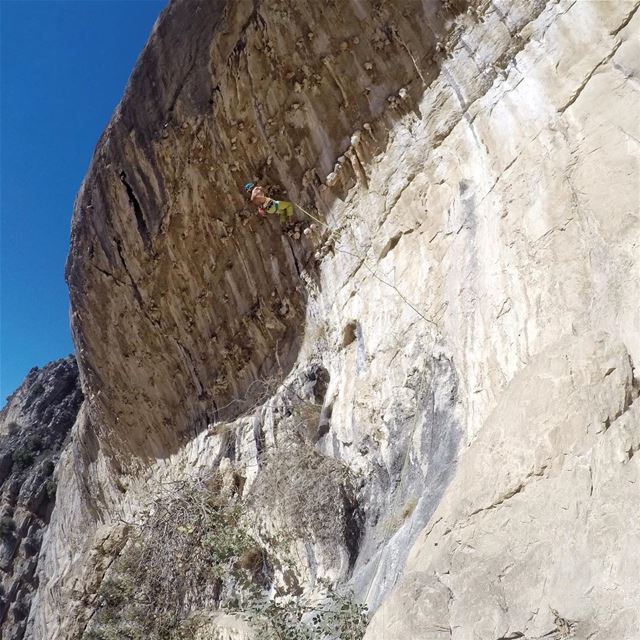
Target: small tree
x: 13, y: 427
x: 22, y: 458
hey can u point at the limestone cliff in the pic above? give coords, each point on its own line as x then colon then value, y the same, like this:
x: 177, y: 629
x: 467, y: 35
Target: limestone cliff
x: 433, y: 395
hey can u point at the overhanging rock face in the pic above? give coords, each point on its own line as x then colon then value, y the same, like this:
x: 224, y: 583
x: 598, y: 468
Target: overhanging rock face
x: 180, y: 298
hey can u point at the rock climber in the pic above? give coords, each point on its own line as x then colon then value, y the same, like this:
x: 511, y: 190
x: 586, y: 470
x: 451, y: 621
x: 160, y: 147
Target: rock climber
x: 266, y: 204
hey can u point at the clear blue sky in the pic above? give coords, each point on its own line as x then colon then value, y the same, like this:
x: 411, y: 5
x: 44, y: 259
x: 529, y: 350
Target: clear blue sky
x: 64, y: 66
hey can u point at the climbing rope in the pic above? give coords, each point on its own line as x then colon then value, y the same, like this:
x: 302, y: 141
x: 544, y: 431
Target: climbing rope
x: 324, y: 224
x: 369, y: 268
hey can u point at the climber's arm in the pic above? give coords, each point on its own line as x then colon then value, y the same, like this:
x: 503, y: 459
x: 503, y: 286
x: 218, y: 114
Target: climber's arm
x: 258, y: 196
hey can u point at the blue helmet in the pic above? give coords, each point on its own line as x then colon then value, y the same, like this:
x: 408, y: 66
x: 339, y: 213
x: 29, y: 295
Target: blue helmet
x: 248, y: 186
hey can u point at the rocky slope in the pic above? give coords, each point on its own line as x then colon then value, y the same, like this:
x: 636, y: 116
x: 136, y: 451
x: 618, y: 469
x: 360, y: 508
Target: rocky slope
x: 34, y: 427
x: 432, y: 397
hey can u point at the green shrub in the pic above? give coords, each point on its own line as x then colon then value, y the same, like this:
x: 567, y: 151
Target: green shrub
x: 194, y: 550
x: 13, y: 427
x: 113, y: 592
x: 22, y: 458
x: 193, y: 540
x: 337, y: 616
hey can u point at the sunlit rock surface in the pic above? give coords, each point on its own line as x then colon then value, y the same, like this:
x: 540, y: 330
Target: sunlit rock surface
x: 466, y: 318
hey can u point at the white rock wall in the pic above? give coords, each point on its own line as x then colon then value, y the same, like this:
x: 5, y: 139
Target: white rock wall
x: 519, y: 239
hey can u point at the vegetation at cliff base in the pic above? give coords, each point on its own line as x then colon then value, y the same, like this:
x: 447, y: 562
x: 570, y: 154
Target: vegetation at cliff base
x: 195, y: 556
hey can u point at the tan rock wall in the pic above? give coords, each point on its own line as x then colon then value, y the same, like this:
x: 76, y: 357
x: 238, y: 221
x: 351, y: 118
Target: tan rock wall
x: 180, y: 296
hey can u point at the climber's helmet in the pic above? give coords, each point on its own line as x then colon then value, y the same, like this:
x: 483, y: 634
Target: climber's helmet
x: 248, y: 186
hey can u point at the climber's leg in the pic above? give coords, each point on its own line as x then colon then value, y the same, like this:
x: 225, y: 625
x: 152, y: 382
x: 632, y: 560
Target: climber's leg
x: 285, y: 210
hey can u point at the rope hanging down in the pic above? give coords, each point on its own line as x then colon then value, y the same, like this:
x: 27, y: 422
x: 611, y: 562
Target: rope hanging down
x: 370, y: 269
x: 324, y: 224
